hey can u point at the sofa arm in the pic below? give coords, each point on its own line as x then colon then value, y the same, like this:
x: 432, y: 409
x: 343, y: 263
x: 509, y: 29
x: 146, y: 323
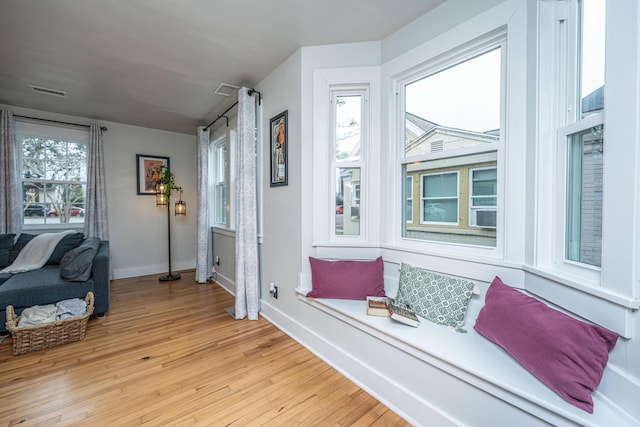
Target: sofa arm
x: 102, y: 277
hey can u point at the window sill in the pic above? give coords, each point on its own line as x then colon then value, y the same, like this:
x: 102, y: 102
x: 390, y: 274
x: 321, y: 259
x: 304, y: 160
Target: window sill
x: 41, y: 228
x: 614, y: 311
x: 225, y: 231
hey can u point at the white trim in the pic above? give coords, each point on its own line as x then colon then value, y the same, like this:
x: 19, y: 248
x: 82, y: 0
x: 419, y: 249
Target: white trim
x: 492, y: 39
x: 327, y: 82
x: 618, y: 275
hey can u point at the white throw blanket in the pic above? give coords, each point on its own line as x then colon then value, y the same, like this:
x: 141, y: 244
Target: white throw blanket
x: 37, y: 252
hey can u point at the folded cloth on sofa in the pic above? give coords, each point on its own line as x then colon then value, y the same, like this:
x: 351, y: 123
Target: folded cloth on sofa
x: 37, y: 315
x: 36, y: 253
x: 70, y: 308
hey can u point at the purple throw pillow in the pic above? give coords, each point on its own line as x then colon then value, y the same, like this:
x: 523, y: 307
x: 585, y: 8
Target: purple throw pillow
x: 566, y: 354
x: 346, y: 279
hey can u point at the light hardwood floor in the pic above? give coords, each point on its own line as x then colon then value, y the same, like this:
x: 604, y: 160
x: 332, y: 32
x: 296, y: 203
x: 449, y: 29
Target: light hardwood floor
x: 168, y: 354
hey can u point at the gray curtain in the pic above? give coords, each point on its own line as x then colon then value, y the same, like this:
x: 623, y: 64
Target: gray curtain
x: 95, y: 220
x: 204, y: 260
x: 247, y: 281
x: 10, y: 200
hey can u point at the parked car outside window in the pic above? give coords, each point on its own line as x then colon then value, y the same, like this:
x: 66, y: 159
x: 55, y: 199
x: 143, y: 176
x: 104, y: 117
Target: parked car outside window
x: 73, y: 211
x: 33, y: 209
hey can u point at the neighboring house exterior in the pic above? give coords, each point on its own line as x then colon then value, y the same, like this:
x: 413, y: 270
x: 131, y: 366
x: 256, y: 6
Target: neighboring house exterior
x: 452, y: 199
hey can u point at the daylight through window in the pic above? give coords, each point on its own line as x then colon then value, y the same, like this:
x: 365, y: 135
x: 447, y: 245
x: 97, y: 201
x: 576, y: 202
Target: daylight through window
x: 451, y: 132
x: 54, y: 180
x: 585, y: 141
x: 348, y: 111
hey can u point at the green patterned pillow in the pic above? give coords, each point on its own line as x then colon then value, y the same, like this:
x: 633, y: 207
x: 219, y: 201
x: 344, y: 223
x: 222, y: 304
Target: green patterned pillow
x: 436, y: 297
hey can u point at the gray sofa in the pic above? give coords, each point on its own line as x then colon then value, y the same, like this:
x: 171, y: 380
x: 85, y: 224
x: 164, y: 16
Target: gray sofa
x: 46, y: 286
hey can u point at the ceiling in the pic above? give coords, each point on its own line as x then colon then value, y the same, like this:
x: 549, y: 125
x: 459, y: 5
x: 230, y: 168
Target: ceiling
x: 157, y: 63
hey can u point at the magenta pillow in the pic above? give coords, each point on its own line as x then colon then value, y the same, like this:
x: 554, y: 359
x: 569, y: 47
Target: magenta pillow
x: 566, y: 354
x: 346, y: 279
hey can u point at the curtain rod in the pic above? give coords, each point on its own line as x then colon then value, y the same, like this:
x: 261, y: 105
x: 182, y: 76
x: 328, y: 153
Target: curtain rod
x: 56, y: 121
x: 251, y: 92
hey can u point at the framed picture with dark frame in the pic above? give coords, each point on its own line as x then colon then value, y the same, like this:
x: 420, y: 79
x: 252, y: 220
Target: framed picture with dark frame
x: 279, y: 145
x: 147, y: 172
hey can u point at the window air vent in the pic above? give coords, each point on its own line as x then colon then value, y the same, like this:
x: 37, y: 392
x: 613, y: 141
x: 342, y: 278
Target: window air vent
x: 47, y: 91
x: 437, y: 146
x: 225, y: 89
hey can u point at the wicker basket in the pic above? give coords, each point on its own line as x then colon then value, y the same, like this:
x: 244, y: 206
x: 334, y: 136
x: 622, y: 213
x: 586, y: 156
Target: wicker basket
x: 37, y: 337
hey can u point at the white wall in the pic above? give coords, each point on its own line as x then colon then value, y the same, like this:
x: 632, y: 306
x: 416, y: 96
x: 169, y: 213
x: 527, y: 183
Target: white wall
x: 281, y: 206
x: 137, y: 229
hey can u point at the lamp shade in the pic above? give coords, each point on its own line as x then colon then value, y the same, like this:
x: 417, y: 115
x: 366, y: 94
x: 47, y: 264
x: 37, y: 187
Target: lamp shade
x: 161, y: 197
x: 181, y: 208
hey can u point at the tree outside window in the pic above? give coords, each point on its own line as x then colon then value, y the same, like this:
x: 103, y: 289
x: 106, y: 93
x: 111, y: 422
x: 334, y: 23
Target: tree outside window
x: 54, y: 180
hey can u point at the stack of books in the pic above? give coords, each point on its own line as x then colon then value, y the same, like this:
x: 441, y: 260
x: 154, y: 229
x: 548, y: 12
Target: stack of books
x: 378, y: 306
x: 383, y: 306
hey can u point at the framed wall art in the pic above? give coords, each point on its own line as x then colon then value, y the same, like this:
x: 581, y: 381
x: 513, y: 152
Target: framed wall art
x: 279, y: 146
x: 146, y: 169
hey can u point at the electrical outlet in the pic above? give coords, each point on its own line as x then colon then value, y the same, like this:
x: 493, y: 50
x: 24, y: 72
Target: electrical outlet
x: 273, y: 290
x: 217, y: 260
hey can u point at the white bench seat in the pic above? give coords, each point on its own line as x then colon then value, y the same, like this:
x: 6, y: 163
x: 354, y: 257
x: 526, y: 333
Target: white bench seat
x: 476, y: 361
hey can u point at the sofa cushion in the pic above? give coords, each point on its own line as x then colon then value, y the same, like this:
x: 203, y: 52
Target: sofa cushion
x: 77, y: 263
x: 6, y: 244
x: 67, y: 243
x: 345, y: 279
x: 21, y: 242
x: 41, y: 286
x: 566, y: 354
x: 3, y: 278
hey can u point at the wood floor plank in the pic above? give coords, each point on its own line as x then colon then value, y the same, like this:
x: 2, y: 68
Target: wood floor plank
x: 169, y: 354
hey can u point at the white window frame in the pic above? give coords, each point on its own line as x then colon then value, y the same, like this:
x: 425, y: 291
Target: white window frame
x: 613, y: 286
x: 220, y: 180
x: 409, y: 199
x: 341, y: 90
x: 57, y: 132
x: 451, y: 57
x: 226, y: 136
x: 321, y: 217
x: 559, y: 36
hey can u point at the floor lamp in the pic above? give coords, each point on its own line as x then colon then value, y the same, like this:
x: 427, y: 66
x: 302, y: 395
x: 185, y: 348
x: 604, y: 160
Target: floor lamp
x: 164, y: 187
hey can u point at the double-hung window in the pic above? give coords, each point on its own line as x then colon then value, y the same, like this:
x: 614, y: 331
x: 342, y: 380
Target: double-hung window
x: 348, y: 135
x: 586, y: 158
x: 450, y: 132
x: 220, y: 174
x: 53, y: 175
x: 483, y: 197
x: 440, y: 198
x: 581, y: 136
